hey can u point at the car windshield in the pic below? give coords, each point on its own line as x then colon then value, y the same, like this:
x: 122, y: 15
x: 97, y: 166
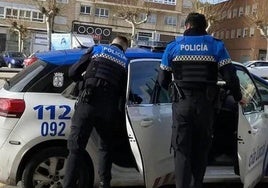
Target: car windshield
x: 16, y: 54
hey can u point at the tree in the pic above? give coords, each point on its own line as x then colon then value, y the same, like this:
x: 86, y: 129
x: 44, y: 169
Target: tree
x: 20, y: 28
x: 49, y: 9
x: 22, y: 33
x: 132, y: 15
x: 213, y: 12
x: 259, y: 18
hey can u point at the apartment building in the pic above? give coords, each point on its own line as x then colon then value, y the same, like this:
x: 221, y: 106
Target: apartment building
x: 242, y: 38
x: 90, y: 17
x: 27, y: 14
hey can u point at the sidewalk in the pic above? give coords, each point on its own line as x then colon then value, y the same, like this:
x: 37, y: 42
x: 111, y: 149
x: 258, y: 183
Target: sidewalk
x: 7, y: 186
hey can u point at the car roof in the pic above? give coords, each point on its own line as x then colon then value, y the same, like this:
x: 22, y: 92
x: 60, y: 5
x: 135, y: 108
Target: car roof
x: 67, y: 57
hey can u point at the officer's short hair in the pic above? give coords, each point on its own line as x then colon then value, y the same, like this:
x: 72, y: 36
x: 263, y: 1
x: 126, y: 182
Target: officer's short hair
x: 121, y: 40
x: 196, y: 20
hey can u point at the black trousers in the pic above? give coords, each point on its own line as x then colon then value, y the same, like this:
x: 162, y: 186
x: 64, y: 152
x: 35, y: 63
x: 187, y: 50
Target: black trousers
x: 191, y: 137
x: 100, y: 114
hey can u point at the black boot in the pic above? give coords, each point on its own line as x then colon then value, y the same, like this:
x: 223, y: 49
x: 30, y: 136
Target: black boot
x: 104, y: 185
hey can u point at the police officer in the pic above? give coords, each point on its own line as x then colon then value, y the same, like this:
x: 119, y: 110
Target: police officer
x: 191, y: 64
x: 102, y: 74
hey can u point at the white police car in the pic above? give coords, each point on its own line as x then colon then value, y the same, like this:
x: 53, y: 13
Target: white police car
x: 35, y: 115
x: 258, y: 67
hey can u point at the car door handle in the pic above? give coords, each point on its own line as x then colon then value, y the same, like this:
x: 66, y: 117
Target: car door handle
x: 147, y: 122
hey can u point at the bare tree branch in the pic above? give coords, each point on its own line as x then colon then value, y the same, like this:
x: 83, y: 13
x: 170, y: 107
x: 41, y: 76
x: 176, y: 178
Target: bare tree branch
x: 21, y: 29
x: 213, y: 12
x: 132, y: 15
x: 50, y: 9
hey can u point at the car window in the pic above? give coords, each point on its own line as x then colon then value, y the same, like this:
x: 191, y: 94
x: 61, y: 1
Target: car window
x: 249, y: 92
x: 262, y: 87
x: 21, y: 80
x: 144, y: 83
x: 55, y: 81
x: 263, y: 64
x: 40, y: 77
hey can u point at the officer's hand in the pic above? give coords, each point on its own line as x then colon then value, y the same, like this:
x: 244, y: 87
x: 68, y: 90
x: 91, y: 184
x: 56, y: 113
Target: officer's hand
x: 243, y: 102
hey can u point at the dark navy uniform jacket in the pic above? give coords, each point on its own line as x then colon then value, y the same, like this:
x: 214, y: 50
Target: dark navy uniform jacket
x: 107, y: 53
x: 196, y: 46
x: 101, y: 65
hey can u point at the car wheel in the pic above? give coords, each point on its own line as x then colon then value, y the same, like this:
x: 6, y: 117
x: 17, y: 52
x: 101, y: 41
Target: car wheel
x: 46, y: 169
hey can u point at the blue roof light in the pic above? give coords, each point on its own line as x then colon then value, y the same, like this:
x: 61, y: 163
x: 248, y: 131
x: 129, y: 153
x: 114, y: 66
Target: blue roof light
x: 67, y: 57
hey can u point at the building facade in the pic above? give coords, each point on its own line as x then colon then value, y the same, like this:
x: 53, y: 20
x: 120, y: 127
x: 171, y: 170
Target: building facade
x: 241, y: 36
x: 89, y: 17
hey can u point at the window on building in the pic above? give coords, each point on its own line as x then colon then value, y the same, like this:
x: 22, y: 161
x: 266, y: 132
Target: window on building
x: 169, y: 2
x: 222, y: 35
x: 227, y: 34
x: 11, y: 13
x: 144, y: 36
x: 224, y: 15
x: 251, y: 31
x: 234, y: 13
x: 2, y: 12
x: 24, y: 14
x: 245, y: 32
x: 171, y: 20
x: 229, y: 14
x: 217, y: 35
x: 62, y: 1
x: 241, y: 11
x: 254, y: 8
x: 232, y: 33
x: 85, y: 9
x: 151, y: 18
x: 102, y: 12
x: 38, y: 17
x: 183, y: 21
x: 247, y: 11
x: 239, y: 33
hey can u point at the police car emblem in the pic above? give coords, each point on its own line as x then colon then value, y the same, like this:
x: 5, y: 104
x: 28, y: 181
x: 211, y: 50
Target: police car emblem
x: 58, y: 79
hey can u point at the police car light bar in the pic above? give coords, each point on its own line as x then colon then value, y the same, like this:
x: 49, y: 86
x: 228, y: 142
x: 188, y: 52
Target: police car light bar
x: 154, y: 45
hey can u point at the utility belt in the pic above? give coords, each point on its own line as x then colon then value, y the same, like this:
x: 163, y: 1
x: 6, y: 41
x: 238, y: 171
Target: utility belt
x: 179, y: 92
x: 85, y: 96
x: 104, y: 88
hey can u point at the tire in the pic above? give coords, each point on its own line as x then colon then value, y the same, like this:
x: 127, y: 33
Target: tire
x: 38, y: 173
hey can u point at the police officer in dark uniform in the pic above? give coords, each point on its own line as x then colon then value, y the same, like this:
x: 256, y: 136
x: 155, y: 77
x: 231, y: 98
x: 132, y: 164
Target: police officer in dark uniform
x: 102, y: 75
x: 190, y: 66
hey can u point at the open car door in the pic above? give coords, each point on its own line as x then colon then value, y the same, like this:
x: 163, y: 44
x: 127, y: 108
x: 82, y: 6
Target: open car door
x: 149, y: 123
x: 252, y: 132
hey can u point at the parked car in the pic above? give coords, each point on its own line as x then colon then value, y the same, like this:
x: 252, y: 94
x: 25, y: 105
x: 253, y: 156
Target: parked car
x: 14, y: 59
x: 29, y: 60
x: 258, y: 67
x: 2, y: 61
x: 33, y: 132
